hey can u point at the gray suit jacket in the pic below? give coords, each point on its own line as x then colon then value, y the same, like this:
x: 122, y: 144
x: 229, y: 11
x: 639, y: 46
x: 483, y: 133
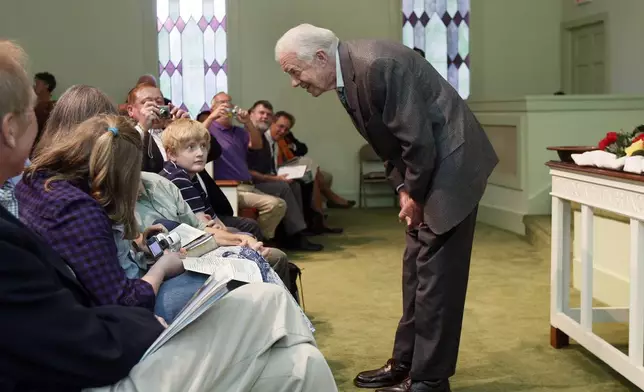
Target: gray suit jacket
x: 419, y: 126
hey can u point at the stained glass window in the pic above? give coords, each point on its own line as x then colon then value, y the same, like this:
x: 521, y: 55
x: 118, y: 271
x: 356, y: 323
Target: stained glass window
x: 192, y: 51
x: 441, y: 29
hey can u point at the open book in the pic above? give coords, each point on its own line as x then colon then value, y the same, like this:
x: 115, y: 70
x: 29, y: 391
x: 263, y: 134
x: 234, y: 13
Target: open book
x: 227, y: 274
x: 196, y: 242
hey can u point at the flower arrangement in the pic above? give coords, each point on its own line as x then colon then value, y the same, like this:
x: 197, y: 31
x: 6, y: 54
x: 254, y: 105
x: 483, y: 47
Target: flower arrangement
x: 624, y: 143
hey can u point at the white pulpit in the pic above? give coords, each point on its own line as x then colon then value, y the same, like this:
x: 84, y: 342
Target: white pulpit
x: 620, y: 193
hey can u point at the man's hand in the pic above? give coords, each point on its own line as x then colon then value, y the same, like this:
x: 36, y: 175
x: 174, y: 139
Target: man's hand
x: 177, y: 112
x: 284, y: 177
x: 150, y: 114
x: 219, y: 112
x: 410, y: 210
x: 243, y: 116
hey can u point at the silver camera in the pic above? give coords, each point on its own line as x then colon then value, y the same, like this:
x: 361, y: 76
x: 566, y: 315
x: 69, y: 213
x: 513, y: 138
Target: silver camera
x: 234, y: 111
x: 161, y: 242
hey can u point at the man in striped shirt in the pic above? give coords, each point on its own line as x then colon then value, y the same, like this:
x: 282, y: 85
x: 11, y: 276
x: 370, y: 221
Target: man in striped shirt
x: 186, y: 143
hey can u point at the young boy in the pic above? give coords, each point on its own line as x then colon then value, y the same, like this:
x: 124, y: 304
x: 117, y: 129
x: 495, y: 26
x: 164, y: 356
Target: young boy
x: 186, y: 143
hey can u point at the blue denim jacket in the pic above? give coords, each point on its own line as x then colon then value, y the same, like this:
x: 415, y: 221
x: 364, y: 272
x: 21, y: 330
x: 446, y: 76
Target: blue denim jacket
x: 132, y: 263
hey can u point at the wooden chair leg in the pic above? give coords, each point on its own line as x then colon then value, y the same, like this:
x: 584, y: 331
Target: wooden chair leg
x: 558, y: 339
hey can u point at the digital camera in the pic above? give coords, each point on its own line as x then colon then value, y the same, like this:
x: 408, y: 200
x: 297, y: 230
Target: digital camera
x: 233, y: 111
x: 161, y: 242
x: 164, y: 112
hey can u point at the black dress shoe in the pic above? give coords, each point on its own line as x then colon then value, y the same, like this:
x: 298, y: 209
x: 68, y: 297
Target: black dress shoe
x: 389, y: 375
x: 404, y: 386
x: 300, y: 242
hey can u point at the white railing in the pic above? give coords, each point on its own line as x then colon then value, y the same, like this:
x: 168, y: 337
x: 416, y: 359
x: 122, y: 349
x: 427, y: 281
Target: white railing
x: 622, y: 194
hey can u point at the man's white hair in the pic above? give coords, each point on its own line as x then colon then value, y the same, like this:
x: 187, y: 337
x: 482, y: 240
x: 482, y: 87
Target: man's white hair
x: 305, y: 40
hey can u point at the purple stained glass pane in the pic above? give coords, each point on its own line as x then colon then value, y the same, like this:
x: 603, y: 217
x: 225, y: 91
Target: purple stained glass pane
x: 458, y: 18
x: 446, y: 18
x: 180, y: 25
x: 225, y: 67
x: 169, y: 24
x: 223, y: 23
x: 205, y: 107
x: 466, y: 18
x: 424, y: 18
x: 203, y: 23
x: 170, y: 68
x: 214, y: 23
x: 467, y: 60
x: 215, y: 67
x: 452, y: 40
x: 161, y: 68
x: 404, y: 19
x: 458, y: 61
x: 159, y: 25
x: 180, y: 67
x: 184, y: 107
x: 206, y: 67
x: 413, y: 19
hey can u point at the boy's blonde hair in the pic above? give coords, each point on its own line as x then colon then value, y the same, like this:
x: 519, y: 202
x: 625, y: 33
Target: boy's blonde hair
x: 182, y: 132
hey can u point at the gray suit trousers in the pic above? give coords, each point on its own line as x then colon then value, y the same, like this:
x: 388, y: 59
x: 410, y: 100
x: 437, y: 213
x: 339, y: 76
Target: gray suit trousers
x: 294, y: 221
x: 435, y: 275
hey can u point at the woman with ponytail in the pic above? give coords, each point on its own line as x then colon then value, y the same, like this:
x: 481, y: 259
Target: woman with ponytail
x: 73, y: 194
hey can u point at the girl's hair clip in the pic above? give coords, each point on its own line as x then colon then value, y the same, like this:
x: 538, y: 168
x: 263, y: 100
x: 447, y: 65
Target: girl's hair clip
x: 114, y: 130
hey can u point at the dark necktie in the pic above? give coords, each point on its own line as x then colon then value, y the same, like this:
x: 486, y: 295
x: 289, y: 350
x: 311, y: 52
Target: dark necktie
x: 343, y: 97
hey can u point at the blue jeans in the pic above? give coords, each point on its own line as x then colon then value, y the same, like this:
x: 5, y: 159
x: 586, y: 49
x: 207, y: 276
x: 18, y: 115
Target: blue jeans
x: 175, y: 293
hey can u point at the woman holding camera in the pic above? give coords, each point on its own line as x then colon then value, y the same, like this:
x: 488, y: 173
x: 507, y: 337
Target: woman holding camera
x: 76, y: 191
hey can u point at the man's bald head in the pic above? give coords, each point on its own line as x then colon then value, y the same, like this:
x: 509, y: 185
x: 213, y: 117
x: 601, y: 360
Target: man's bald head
x: 147, y: 79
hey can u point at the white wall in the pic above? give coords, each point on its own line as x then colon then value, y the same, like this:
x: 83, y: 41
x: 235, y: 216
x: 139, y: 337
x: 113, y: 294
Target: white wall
x: 515, y: 48
x: 624, y: 33
x: 106, y: 44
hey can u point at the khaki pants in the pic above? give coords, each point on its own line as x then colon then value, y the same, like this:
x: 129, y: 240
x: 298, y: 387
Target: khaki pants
x: 253, y: 340
x: 271, y: 209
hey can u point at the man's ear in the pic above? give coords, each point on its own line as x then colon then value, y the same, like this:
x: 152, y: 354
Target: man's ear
x: 322, y: 57
x: 9, y: 129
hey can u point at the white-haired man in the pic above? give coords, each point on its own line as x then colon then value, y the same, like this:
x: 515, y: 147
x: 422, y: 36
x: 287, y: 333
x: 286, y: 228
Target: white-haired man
x: 437, y: 156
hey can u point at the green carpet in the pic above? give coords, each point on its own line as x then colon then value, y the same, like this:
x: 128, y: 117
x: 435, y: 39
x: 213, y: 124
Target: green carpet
x: 352, y: 294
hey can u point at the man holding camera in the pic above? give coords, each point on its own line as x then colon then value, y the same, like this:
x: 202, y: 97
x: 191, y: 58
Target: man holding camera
x: 274, y: 200
x: 147, y: 106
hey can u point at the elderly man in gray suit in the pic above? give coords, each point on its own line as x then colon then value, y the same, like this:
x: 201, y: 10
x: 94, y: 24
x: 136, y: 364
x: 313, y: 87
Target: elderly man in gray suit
x: 438, y: 158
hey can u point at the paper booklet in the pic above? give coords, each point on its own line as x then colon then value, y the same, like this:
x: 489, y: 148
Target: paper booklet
x: 229, y: 267
x: 228, y: 274
x: 294, y: 172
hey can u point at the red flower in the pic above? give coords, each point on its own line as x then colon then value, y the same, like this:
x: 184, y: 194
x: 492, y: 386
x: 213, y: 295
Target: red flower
x: 638, y: 137
x: 611, y: 137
